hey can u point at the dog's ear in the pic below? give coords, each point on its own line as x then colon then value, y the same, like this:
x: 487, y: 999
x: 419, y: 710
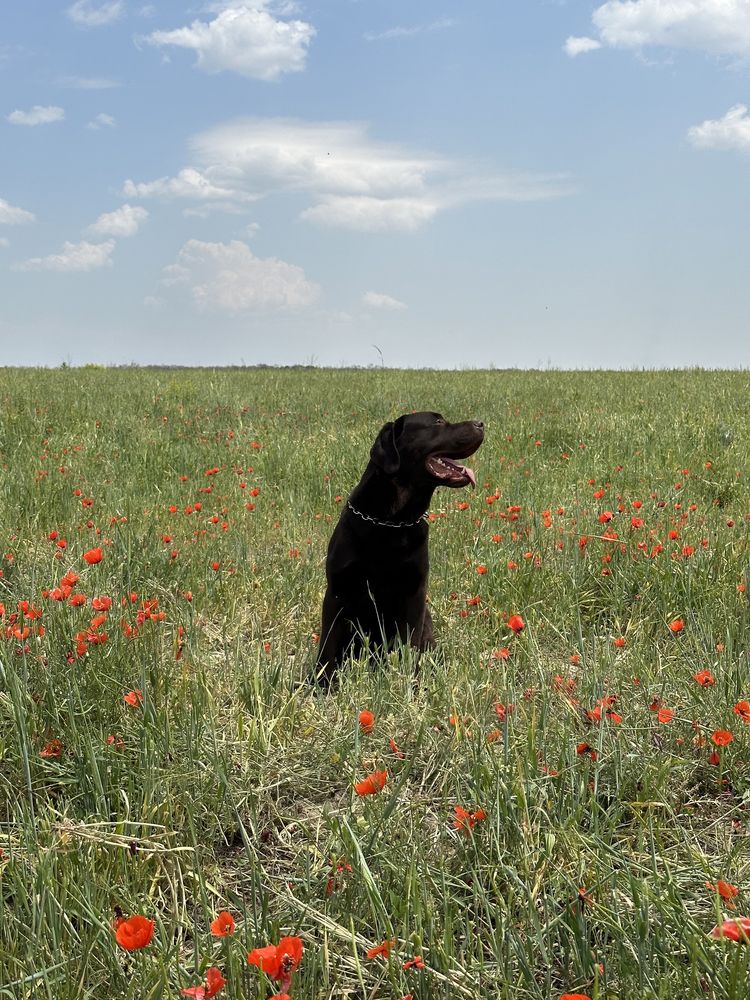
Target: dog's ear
x: 384, y: 452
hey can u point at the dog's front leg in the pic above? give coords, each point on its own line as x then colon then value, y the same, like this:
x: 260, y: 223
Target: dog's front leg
x: 335, y: 638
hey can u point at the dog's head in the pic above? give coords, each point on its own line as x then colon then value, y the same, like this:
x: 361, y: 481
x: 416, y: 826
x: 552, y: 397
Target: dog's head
x: 424, y: 447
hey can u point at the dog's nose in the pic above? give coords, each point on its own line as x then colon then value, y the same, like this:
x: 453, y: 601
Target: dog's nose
x: 478, y: 424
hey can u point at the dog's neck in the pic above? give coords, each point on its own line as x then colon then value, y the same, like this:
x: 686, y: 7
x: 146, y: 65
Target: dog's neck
x: 392, y: 500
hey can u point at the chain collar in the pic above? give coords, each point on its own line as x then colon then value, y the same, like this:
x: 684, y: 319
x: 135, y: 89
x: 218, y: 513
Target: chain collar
x: 385, y: 524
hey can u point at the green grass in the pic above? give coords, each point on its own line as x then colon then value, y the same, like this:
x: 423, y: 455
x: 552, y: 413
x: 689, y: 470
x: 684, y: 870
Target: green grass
x: 231, y: 785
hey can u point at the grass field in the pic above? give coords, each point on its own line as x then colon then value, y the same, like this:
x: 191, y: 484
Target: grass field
x: 161, y: 753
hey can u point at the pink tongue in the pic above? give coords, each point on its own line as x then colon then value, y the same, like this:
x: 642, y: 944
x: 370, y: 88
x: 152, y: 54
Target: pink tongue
x: 469, y: 472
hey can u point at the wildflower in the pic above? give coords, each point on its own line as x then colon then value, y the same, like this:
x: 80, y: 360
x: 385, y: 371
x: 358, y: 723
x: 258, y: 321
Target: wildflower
x: 53, y: 748
x: 619, y: 642
x: 280, y: 960
x: 134, y: 933
x: 93, y: 556
x: 383, y: 949
x: 725, y: 890
x: 394, y: 747
x: 516, y: 624
x: 584, y: 748
x: 214, y: 982
x: 224, y: 924
x: 414, y: 963
x: 742, y: 708
x: 575, y: 996
x: 735, y: 930
x: 664, y: 715
x: 722, y: 737
x: 705, y: 678
x: 333, y: 882
x: 366, y: 721
x: 373, y: 783
x: 465, y: 820
x: 134, y: 698
x: 676, y: 626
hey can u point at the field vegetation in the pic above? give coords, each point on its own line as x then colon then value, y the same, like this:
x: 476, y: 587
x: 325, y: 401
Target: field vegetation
x: 566, y: 808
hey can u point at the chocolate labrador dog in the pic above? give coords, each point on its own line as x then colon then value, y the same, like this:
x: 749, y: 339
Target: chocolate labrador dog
x: 377, y: 561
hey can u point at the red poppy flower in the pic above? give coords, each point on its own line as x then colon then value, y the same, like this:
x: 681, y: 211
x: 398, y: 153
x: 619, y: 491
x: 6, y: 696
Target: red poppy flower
x: 280, y: 960
x: 466, y: 820
x: 735, y: 930
x: 52, y: 749
x: 383, y: 949
x: 742, y: 708
x: 725, y: 890
x: 664, y: 715
x: 134, y: 933
x: 214, y: 982
x: 366, y: 721
x: 619, y: 642
x: 676, y: 626
x: 722, y: 737
x: 134, y: 698
x: 93, y: 556
x: 224, y: 924
x: 516, y: 624
x: 575, y: 996
x: 373, y: 783
x: 705, y: 678
x: 414, y: 963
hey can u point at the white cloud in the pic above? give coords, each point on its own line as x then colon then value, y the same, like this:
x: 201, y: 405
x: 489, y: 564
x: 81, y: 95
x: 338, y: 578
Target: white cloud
x: 371, y: 215
x: 575, y: 46
x: 353, y: 181
x: 38, y: 115
x: 89, y: 82
x: 335, y: 157
x: 189, y: 183
x: 228, y: 277
x: 409, y: 32
x: 12, y: 216
x: 124, y: 221
x: 378, y: 300
x: 89, y: 14
x: 74, y: 257
x: 730, y: 132
x: 246, y: 38
x: 101, y: 121
x: 721, y: 27
x: 4, y: 242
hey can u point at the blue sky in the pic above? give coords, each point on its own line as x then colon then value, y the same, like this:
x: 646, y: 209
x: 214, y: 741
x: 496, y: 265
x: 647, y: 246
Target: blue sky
x: 510, y: 182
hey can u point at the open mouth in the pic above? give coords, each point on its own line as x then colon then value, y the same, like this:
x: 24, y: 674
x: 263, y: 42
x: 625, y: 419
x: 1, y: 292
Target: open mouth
x: 450, y: 472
